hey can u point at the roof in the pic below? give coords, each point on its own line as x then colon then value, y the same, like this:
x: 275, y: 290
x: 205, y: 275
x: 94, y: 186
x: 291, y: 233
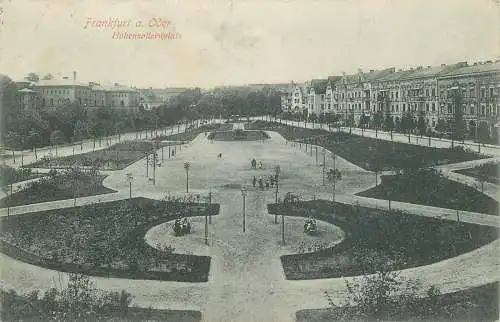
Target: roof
x: 26, y: 90
x: 113, y: 88
x: 475, y: 69
x: 319, y: 85
x: 376, y: 74
x: 60, y: 82
x: 333, y: 79
x: 395, y: 76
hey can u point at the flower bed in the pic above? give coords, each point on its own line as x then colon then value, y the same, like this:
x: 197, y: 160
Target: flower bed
x: 375, y: 237
x: 190, y: 134
x: 58, y: 186
x: 476, y: 304
x: 105, y: 240
x: 238, y: 135
x: 488, y: 172
x: 116, y: 157
x: 370, y: 153
x: 428, y: 187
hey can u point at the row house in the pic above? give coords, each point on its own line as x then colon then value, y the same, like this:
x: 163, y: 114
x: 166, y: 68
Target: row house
x: 427, y: 92
x: 477, y: 87
x: 294, y: 99
x: 316, y: 90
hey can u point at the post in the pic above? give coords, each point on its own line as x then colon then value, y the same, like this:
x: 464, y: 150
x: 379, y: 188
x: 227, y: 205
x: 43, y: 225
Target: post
x: 154, y: 167
x: 169, y: 153
x: 8, y: 204
x: 14, y: 156
x: 275, y: 215
x: 147, y: 165
x: 162, y: 154
x: 282, y: 230
x: 324, y: 166
x: 210, y: 203
x: 316, y: 154
x: 130, y: 190
x: 22, y: 159
x: 243, y: 212
x: 206, y: 230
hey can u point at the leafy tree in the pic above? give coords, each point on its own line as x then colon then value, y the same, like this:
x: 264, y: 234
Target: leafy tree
x: 483, y: 132
x: 32, y: 77
x: 421, y: 123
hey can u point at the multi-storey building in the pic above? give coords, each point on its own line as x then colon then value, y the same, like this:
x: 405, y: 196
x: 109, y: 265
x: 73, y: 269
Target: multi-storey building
x: 415, y: 92
x: 478, y: 88
x: 57, y: 92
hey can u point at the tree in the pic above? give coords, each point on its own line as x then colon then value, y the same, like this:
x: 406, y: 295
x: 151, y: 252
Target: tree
x: 378, y: 120
x: 333, y: 175
x: 389, y: 123
x: 483, y: 174
x: 483, y: 132
x: 48, y: 76
x: 421, y: 124
x: 32, y: 77
x: 459, y: 126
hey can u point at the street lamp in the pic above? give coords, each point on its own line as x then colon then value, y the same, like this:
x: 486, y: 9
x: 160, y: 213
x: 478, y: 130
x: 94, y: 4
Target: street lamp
x: 186, y: 167
x: 324, y: 165
x: 243, y: 194
x: 276, y: 179
x: 130, y: 178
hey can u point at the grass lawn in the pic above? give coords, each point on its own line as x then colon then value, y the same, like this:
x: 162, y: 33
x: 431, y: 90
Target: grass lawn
x: 14, y: 309
x: 190, y: 134
x: 362, y: 151
x: 491, y: 172
x: 238, y: 135
x: 59, y: 187
x: 475, y: 304
x: 106, y: 239
x: 116, y: 157
x: 428, y: 188
x: 375, y: 237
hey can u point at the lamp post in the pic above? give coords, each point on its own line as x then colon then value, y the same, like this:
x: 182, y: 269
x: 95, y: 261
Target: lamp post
x: 186, y: 167
x: 324, y: 165
x: 276, y: 179
x: 210, y: 203
x: 243, y: 194
x: 130, y: 178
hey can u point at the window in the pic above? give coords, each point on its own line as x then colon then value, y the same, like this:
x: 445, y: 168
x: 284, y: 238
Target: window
x: 471, y: 93
x: 397, y: 107
x: 483, y: 92
x: 491, y: 92
x: 427, y: 106
x: 404, y: 107
x: 472, y: 109
x: 427, y: 92
x: 433, y: 107
x: 433, y: 92
x: 450, y: 108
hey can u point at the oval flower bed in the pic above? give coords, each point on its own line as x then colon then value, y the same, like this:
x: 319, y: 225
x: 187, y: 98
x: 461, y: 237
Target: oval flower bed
x: 105, y: 239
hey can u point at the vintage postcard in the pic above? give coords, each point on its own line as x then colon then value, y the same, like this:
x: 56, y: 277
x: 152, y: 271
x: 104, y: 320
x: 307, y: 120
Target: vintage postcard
x: 238, y: 160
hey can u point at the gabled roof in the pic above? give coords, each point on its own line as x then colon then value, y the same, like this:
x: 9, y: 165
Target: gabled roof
x: 332, y: 80
x: 395, y: 76
x: 319, y: 85
x: 475, y: 69
x: 376, y: 74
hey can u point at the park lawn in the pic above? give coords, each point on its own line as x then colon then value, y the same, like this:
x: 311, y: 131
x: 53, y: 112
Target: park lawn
x: 436, y: 191
x: 51, y: 189
x: 238, y: 135
x: 492, y: 172
x: 362, y: 151
x: 14, y: 308
x: 105, y: 239
x: 376, y: 237
x: 190, y: 134
x: 116, y: 157
x: 475, y: 304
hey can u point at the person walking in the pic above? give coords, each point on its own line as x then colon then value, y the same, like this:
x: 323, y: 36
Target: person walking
x: 260, y: 164
x: 254, y: 181
x: 267, y: 184
x: 261, y: 184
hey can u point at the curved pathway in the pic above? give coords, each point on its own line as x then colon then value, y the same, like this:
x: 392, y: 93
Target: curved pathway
x: 246, y: 281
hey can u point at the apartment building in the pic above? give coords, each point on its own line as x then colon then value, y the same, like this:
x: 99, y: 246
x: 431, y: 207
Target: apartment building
x: 422, y: 91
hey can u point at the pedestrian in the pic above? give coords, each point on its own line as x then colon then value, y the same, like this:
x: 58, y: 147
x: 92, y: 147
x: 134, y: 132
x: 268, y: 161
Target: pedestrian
x: 271, y: 178
x: 254, y: 181
x: 267, y: 184
x: 261, y: 184
x: 260, y: 164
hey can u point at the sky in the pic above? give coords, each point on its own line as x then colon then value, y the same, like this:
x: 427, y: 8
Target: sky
x: 220, y: 42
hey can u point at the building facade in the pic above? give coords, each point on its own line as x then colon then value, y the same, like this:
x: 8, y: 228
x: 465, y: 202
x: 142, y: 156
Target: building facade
x: 426, y: 92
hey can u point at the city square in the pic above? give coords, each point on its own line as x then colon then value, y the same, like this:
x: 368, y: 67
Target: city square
x: 303, y: 161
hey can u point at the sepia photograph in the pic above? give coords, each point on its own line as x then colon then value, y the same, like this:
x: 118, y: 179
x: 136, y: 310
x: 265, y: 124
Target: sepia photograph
x: 249, y: 160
